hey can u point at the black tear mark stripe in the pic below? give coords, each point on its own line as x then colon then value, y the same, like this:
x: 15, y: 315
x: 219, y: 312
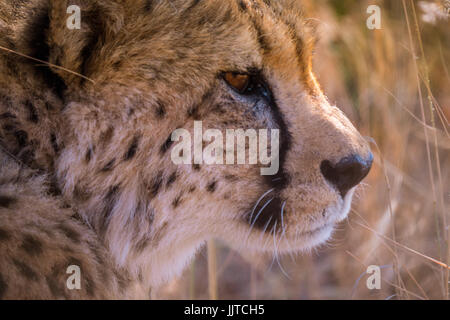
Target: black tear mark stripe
x: 7, y: 201
x: 269, y: 214
x: 25, y: 270
x: 132, y: 149
x: 32, y: 246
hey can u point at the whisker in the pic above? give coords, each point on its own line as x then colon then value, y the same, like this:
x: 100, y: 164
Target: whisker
x: 258, y: 201
x: 257, y: 216
x: 46, y: 63
x: 264, y: 232
x: 276, y: 252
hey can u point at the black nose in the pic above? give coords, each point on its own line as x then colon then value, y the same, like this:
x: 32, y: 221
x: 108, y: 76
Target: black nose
x: 347, y: 173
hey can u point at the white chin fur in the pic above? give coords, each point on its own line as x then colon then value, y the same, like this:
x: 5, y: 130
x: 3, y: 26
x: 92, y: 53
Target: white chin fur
x: 346, y: 205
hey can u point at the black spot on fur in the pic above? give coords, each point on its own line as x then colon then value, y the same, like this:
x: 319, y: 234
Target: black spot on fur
x: 53, y: 188
x: 107, y: 135
x: 132, y: 149
x: 4, y: 235
x: 88, y: 155
x: 166, y: 145
x: 7, y: 115
x: 21, y: 137
x: 191, y: 189
x: 31, y: 245
x: 230, y: 177
x: 49, y: 106
x: 160, y: 110
x: 3, y: 287
x: 171, y: 179
x: 108, y: 166
x: 25, y: 270
x: 27, y: 156
x: 148, y: 5
x: 242, y: 5
x: 193, y: 112
x: 211, y: 187
x: 70, y: 233
x: 155, y: 185
x: 176, y: 202
x: 7, y: 201
x: 110, y: 201
x: 56, y: 280
x: 54, y: 143
x: 9, y: 127
x: 81, y: 194
x: 32, y: 112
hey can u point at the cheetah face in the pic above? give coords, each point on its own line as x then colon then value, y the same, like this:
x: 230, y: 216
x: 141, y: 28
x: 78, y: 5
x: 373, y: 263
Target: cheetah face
x: 231, y: 65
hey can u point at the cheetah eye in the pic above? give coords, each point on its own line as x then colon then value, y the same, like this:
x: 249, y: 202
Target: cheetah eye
x: 247, y: 84
x: 240, y: 82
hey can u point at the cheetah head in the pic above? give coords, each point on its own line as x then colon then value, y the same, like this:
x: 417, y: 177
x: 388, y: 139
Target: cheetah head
x: 158, y: 66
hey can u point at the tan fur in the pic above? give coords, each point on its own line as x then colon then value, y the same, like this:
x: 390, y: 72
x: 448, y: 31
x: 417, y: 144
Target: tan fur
x: 95, y: 148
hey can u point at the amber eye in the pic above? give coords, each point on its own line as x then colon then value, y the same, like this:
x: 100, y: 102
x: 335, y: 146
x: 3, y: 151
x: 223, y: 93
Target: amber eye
x: 238, y: 81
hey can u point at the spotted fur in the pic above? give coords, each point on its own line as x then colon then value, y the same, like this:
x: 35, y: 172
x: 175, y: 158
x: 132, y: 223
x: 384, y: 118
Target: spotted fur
x: 86, y: 176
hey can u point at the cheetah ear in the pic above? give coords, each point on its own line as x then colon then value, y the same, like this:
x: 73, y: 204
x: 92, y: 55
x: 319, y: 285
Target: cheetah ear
x: 73, y: 49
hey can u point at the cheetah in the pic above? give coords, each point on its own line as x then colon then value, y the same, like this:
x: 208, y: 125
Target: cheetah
x: 86, y: 118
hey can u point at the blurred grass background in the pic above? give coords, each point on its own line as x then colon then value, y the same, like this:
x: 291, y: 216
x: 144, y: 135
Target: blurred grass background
x: 394, y: 85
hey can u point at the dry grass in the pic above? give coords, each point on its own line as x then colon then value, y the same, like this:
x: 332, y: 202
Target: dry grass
x: 394, y: 84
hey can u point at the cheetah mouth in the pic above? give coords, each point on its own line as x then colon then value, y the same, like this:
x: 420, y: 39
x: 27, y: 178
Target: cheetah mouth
x: 267, y: 224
